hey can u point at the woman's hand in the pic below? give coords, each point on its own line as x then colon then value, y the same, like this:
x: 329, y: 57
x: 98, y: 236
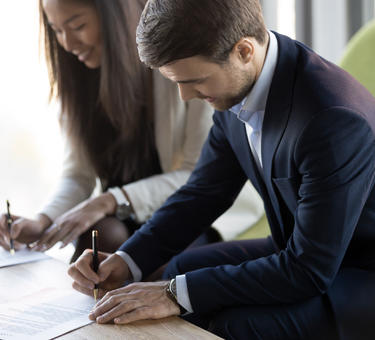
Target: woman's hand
x: 112, y: 273
x: 23, y: 230
x: 137, y: 301
x: 76, y: 221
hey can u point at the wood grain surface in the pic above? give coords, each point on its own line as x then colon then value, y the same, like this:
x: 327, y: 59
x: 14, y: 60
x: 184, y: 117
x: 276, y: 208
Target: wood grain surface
x: 24, y: 279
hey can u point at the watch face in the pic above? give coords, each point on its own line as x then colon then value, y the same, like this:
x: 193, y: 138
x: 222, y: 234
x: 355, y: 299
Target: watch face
x: 123, y: 211
x: 173, y: 288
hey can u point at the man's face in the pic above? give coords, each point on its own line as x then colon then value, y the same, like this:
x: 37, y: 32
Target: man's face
x: 221, y: 85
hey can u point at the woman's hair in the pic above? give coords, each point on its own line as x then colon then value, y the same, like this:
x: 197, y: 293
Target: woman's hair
x: 176, y: 29
x: 109, y: 111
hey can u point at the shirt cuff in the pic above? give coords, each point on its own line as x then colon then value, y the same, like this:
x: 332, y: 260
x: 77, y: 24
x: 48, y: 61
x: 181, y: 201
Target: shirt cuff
x: 134, y: 269
x: 182, y: 293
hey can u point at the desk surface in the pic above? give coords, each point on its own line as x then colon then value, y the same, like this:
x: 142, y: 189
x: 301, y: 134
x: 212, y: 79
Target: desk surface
x: 53, y: 272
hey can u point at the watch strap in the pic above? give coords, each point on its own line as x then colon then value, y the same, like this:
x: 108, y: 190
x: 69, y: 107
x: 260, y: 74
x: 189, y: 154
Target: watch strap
x: 172, y: 294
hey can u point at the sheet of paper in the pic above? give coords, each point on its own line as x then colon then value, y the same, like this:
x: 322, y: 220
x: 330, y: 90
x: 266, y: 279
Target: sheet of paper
x: 20, y: 256
x: 29, y: 278
x: 45, y: 315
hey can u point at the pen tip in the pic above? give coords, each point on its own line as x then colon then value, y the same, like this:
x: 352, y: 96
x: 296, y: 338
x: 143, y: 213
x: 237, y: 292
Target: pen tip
x: 8, y: 204
x: 12, y: 252
x: 96, y: 294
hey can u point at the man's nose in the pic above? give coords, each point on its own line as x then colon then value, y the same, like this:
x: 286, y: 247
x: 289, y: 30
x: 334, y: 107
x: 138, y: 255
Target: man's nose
x: 187, y: 91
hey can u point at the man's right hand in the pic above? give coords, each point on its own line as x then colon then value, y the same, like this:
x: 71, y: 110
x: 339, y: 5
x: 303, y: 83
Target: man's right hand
x: 23, y: 230
x: 112, y: 273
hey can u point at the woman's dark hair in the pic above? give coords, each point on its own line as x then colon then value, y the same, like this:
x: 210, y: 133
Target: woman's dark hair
x: 109, y: 111
x: 176, y: 29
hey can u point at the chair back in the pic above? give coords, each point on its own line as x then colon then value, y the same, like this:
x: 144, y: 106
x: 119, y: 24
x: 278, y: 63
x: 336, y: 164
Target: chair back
x: 359, y: 56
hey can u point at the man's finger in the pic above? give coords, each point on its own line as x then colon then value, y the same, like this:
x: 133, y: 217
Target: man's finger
x: 79, y: 278
x: 111, y: 264
x: 108, y: 302
x: 113, y: 292
x: 118, y: 310
x: 82, y: 289
x: 141, y: 313
x: 84, y: 266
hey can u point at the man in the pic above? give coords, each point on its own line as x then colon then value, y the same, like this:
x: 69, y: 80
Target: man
x: 302, y: 130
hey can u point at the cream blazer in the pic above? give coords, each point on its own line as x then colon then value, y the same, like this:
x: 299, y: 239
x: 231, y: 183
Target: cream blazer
x: 180, y: 131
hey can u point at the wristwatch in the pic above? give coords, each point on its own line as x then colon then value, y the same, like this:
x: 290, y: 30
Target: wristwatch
x: 123, y: 209
x: 172, y: 294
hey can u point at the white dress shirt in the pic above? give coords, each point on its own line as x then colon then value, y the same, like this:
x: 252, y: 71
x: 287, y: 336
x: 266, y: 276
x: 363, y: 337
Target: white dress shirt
x: 251, y: 112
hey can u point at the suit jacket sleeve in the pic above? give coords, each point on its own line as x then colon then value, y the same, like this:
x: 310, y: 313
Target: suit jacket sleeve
x: 210, y: 190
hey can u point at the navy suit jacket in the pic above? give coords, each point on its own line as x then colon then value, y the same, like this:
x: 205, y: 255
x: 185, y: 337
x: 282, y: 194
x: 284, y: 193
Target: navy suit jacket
x: 318, y: 154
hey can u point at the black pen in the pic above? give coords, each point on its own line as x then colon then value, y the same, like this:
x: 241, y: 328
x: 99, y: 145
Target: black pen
x: 95, y: 261
x: 10, y: 221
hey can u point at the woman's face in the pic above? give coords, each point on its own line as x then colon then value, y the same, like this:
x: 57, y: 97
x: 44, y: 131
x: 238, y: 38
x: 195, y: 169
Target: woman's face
x: 77, y: 28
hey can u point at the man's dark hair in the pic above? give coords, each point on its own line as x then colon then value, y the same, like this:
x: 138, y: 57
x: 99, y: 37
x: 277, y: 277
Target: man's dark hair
x: 175, y: 29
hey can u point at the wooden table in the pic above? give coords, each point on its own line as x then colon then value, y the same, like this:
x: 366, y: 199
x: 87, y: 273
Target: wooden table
x: 47, y: 273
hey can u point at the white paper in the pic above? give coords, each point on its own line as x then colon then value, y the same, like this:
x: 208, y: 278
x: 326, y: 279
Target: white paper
x: 46, y: 315
x: 20, y: 256
x: 27, y: 279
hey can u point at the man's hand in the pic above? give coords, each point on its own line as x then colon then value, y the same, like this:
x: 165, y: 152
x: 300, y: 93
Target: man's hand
x: 137, y: 301
x: 113, y: 272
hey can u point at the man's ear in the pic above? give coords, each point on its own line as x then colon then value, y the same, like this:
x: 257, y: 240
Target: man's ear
x: 244, y: 50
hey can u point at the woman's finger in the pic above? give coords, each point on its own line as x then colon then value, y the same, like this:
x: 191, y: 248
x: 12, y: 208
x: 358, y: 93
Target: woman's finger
x: 51, y: 237
x: 4, y: 243
x: 70, y: 237
x: 48, y: 234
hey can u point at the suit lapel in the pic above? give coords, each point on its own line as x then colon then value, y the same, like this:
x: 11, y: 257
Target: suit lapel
x: 238, y: 138
x: 276, y: 117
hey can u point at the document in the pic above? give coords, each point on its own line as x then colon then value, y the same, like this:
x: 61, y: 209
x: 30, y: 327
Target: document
x: 45, y: 315
x: 29, y: 278
x: 23, y: 255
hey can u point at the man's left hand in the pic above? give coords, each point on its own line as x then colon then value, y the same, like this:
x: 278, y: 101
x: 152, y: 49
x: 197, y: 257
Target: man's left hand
x: 137, y: 301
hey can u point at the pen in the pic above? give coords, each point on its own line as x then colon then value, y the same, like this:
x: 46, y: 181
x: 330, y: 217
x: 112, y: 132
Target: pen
x: 10, y: 221
x: 95, y: 262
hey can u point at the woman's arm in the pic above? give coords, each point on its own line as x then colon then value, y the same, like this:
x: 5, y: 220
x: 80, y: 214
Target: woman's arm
x: 76, y: 184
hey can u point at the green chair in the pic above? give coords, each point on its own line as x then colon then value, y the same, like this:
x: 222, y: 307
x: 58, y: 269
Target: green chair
x: 359, y: 56
x: 260, y: 229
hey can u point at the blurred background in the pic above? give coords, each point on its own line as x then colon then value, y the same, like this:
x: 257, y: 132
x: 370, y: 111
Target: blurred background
x: 30, y: 141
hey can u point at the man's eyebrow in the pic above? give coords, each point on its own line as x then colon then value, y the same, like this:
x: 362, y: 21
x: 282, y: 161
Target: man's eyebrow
x: 189, y: 81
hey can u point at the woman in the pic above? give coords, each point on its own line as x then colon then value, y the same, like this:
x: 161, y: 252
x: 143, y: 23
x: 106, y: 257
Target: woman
x: 124, y: 125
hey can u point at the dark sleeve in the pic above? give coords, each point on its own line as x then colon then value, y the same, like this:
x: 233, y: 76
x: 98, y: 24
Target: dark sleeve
x: 335, y: 156
x: 209, y: 192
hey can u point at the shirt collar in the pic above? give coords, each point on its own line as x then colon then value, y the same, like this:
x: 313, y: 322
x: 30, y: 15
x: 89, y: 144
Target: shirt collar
x: 256, y: 100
